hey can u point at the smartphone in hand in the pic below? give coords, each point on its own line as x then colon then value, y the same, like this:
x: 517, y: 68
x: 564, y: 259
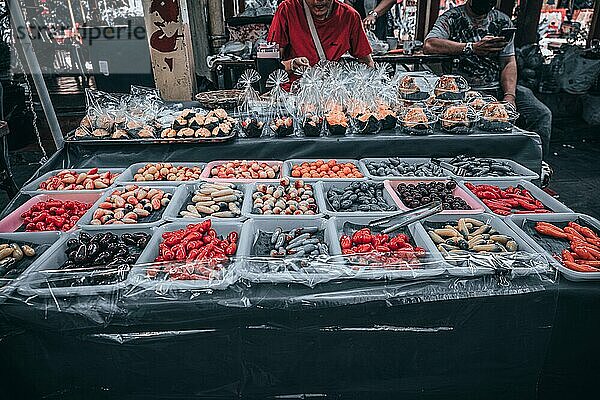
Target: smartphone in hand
x: 508, y: 33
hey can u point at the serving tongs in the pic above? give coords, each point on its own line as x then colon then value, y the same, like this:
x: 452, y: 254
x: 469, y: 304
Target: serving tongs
x: 405, y: 218
x: 458, y: 171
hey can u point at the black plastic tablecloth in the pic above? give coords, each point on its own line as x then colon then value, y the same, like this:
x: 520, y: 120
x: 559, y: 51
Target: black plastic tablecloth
x: 536, y: 345
x: 406, y: 339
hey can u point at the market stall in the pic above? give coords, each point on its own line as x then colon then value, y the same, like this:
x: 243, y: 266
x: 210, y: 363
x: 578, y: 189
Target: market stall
x: 275, y: 249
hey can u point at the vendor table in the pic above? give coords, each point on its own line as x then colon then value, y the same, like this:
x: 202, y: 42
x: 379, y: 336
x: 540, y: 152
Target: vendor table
x: 465, y: 337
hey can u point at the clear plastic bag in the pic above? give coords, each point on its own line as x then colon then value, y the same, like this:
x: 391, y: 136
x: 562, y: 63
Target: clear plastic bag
x: 280, y: 119
x: 250, y: 111
x: 309, y: 102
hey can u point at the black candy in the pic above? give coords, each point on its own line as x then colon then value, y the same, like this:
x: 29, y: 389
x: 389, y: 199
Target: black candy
x: 359, y: 196
x: 420, y: 194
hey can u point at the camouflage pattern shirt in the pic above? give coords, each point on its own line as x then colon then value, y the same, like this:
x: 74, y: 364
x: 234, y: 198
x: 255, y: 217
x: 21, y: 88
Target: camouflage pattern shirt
x: 456, y: 25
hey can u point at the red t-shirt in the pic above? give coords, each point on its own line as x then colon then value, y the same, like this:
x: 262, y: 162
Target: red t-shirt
x: 340, y: 33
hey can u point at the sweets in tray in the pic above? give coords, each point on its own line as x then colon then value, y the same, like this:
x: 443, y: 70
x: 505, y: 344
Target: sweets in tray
x: 289, y: 197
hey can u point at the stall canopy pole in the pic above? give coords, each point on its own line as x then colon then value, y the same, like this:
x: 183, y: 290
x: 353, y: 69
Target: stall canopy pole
x: 16, y: 16
x: 427, y: 13
x: 216, y: 24
x: 528, y: 22
x: 507, y: 7
x: 595, y: 27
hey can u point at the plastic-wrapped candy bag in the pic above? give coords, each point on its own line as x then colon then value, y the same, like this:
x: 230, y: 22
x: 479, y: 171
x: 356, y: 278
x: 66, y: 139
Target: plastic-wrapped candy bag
x: 279, y: 118
x: 362, y: 106
x: 101, y: 117
x: 309, y: 102
x: 384, y: 96
x: 250, y: 118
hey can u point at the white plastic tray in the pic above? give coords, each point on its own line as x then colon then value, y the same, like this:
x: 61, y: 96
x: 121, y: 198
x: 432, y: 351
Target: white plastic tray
x: 38, y: 238
x: 521, y: 171
x: 517, y: 221
x: 33, y: 186
x: 206, y: 173
x: 458, y: 192
x: 84, y: 222
x: 182, y: 198
x: 248, y: 202
x: 321, y: 189
x: 434, y: 265
x: 137, y: 276
x: 249, y: 232
x: 363, y: 163
x: 497, y: 224
x: 550, y: 202
x: 287, y: 168
x: 126, y: 178
x: 54, y: 257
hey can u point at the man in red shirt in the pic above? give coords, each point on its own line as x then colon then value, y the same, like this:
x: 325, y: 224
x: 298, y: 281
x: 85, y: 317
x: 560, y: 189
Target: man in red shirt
x: 337, y: 26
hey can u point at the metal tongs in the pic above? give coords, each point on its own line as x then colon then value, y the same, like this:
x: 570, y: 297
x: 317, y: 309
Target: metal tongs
x: 407, y: 217
x: 458, y: 171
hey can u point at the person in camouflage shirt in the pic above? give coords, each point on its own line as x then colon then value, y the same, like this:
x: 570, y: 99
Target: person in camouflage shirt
x: 487, y: 61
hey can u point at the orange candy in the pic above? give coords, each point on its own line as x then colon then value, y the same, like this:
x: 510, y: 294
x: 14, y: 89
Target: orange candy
x: 325, y: 169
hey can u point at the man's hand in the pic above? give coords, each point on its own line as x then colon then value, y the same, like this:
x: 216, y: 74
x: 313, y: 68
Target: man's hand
x: 510, y: 98
x: 489, y: 45
x: 298, y: 63
x: 295, y: 64
x: 369, y: 22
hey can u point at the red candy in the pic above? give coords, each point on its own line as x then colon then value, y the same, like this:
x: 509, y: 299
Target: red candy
x: 53, y: 215
x: 199, y: 247
x: 381, y: 249
x: 512, y: 200
x: 71, y: 180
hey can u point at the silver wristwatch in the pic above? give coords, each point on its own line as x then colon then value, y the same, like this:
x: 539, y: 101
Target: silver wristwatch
x: 468, y: 49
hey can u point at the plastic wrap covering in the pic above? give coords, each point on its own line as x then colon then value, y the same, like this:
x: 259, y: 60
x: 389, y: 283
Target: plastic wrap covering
x: 181, y: 261
x: 113, y: 116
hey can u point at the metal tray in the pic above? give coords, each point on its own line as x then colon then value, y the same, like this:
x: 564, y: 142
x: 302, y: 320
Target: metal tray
x: 434, y: 265
x: 458, y: 192
x: 43, y: 240
x: 287, y: 169
x: 521, y: 171
x: 32, y: 187
x: 157, y: 219
x: 95, y: 142
x: 206, y: 173
x: 55, y: 257
x: 248, y: 202
x: 363, y: 163
x: 137, y: 276
x: 182, y: 198
x: 517, y: 222
x: 550, y: 202
x: 126, y: 178
x: 250, y: 262
x: 321, y: 189
x: 13, y: 221
x: 498, y: 224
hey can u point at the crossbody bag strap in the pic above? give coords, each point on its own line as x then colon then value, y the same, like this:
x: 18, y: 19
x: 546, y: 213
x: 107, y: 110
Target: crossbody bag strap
x: 313, y: 33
